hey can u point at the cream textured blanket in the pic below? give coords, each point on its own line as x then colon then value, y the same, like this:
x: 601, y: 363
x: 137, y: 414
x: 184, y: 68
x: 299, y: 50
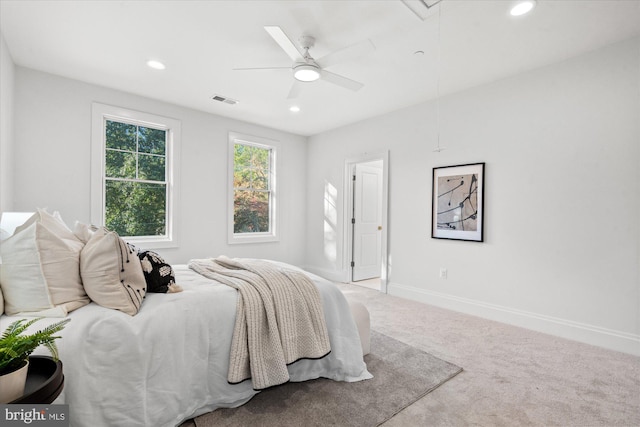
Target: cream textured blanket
x: 279, y: 318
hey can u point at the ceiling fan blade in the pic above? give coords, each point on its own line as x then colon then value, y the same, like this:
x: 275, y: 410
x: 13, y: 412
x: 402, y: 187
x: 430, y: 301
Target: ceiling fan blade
x: 362, y: 48
x: 285, y: 42
x: 341, y: 80
x: 261, y: 68
x: 296, y: 88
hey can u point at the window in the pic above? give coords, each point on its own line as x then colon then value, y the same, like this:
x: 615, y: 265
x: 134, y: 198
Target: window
x: 133, y: 174
x: 252, y: 192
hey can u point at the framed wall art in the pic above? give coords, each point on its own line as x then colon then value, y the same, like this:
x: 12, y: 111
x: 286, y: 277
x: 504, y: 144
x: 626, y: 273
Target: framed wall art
x: 458, y: 202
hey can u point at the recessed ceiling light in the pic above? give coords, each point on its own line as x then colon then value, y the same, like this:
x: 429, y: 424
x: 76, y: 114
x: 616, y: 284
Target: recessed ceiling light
x: 156, y: 65
x: 521, y: 7
x: 294, y: 109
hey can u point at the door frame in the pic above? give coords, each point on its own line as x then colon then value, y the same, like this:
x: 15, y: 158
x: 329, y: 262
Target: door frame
x: 349, y: 165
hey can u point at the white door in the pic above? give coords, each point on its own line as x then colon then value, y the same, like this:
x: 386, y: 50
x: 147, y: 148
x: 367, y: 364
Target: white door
x: 367, y: 221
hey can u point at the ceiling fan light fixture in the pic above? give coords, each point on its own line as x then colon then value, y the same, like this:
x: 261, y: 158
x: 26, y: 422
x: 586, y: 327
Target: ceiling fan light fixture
x: 522, y: 7
x: 306, y: 73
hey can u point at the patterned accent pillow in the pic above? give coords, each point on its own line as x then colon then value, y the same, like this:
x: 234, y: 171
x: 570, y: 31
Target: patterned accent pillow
x: 158, y: 274
x: 111, y: 271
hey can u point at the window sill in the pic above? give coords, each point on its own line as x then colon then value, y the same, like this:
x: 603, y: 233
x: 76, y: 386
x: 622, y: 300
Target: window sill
x: 151, y: 243
x: 259, y: 238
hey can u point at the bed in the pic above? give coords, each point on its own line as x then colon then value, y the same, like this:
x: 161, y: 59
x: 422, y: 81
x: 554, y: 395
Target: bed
x: 169, y: 361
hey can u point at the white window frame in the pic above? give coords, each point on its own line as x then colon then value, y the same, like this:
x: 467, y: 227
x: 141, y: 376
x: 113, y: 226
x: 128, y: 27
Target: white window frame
x: 272, y: 234
x: 100, y: 113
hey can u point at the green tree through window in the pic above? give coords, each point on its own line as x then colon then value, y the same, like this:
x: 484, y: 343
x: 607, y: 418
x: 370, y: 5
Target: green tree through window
x: 252, y: 192
x: 135, y: 179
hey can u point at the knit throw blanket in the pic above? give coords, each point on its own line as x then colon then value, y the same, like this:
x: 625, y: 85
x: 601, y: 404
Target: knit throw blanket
x: 279, y: 318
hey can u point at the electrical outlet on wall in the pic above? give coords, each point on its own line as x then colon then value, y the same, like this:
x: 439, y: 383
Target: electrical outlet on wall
x: 443, y: 273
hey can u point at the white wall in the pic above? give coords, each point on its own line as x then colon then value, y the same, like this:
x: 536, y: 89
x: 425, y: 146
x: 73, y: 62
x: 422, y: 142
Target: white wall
x: 6, y: 126
x: 52, y: 165
x: 562, y: 201
x: 561, y: 144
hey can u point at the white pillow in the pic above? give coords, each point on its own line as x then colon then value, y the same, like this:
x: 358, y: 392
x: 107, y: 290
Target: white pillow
x: 84, y: 231
x: 40, y: 273
x: 111, y: 271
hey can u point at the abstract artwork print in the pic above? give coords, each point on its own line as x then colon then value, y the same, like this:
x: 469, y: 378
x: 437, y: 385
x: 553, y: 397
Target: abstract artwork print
x: 457, y: 202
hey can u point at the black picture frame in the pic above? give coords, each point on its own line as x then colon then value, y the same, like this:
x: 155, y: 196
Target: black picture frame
x: 457, y: 195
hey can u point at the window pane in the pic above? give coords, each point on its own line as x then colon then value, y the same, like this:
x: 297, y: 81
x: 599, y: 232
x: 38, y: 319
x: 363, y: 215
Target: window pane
x: 260, y: 180
x: 135, y: 208
x: 251, y: 212
x: 120, y: 164
x: 242, y: 178
x: 240, y: 151
x: 151, y: 141
x: 260, y: 158
x: 121, y: 136
x: 151, y: 167
x: 252, y: 196
x: 251, y: 167
x: 242, y: 155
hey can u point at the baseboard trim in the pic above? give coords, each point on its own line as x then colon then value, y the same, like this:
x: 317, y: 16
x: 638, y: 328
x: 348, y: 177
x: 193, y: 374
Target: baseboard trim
x: 602, y: 337
x: 332, y: 275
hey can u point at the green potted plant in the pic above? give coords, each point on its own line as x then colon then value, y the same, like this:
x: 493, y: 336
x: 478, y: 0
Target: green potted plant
x: 15, y: 348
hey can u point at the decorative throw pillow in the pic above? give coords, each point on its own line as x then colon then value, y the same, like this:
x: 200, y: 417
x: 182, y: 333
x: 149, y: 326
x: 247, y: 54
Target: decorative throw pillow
x: 158, y: 274
x: 83, y: 232
x: 111, y: 272
x: 40, y: 273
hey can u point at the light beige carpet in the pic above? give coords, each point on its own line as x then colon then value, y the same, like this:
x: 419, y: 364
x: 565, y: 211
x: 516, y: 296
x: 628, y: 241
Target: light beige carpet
x: 402, y: 375
x: 513, y: 377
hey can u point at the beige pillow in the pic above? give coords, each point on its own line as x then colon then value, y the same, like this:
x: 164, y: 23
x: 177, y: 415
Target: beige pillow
x: 40, y: 273
x: 111, y: 271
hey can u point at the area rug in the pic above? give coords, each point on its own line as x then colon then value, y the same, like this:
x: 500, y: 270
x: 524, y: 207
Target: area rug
x: 402, y: 375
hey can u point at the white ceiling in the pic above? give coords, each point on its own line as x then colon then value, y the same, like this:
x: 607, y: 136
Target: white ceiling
x: 201, y: 42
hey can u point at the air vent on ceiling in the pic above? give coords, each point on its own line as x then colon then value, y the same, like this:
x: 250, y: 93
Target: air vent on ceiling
x: 224, y: 99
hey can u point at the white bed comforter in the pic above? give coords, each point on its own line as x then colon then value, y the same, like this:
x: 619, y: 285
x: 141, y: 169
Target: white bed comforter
x: 169, y: 362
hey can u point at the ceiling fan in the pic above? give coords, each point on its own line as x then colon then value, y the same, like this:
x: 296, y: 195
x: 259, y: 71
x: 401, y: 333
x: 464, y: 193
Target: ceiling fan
x: 307, y: 69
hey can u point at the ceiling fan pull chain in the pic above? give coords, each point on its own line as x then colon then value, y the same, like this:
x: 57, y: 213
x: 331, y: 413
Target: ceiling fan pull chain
x: 438, y: 148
